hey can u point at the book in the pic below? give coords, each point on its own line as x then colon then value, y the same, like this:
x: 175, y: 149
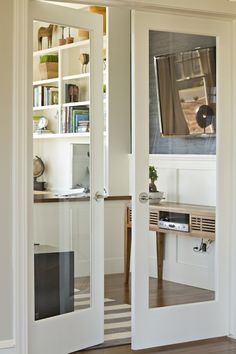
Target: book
x: 75, y: 119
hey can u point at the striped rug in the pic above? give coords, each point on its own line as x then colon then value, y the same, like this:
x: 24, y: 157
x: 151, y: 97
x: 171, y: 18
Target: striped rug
x: 117, y: 319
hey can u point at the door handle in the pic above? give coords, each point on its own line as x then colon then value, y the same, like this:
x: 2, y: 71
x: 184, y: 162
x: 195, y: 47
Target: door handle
x: 143, y: 197
x: 99, y: 196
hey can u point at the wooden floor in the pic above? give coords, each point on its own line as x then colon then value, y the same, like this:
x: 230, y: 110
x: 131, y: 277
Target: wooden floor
x: 211, y: 346
x: 163, y: 293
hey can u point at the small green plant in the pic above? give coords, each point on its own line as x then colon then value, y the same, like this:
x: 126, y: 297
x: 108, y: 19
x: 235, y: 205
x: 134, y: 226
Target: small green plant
x: 49, y: 58
x: 153, y: 178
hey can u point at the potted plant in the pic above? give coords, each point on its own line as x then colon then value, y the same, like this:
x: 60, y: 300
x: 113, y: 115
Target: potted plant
x: 154, y: 195
x: 48, y: 66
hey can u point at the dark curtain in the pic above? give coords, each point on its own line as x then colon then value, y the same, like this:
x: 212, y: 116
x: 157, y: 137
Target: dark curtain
x: 172, y: 117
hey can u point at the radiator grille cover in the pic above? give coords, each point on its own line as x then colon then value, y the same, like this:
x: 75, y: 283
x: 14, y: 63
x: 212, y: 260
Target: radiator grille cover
x: 202, y: 224
x: 153, y: 218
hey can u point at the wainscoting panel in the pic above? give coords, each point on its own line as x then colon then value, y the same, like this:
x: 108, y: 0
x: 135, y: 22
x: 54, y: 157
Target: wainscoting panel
x: 187, y: 179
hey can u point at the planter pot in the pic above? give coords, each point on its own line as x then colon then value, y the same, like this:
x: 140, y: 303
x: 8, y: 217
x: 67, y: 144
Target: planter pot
x: 69, y: 40
x: 48, y: 70
x: 155, y: 197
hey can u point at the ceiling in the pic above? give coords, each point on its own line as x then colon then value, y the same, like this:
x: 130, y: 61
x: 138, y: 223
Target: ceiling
x: 217, y: 7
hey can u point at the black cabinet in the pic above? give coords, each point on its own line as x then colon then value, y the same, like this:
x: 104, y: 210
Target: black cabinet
x: 54, y: 282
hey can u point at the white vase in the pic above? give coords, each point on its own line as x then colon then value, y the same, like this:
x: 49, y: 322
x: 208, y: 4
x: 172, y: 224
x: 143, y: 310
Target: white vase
x: 155, y: 197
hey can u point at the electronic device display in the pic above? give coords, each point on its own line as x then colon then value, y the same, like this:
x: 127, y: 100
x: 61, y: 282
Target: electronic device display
x: 174, y: 221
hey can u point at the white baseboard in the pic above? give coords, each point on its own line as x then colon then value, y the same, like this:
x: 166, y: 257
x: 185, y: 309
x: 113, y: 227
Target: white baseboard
x: 182, y: 273
x: 114, y: 265
x: 6, y: 344
x: 111, y: 266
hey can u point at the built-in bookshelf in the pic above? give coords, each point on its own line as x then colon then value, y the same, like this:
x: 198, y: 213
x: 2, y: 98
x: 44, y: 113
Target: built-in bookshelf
x: 63, y: 97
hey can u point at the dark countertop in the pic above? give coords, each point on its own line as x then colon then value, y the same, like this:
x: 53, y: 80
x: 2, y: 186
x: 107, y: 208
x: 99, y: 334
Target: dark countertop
x: 51, y: 198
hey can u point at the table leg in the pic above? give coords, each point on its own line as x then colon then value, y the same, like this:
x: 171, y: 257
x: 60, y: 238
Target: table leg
x: 160, y: 253
x: 127, y: 251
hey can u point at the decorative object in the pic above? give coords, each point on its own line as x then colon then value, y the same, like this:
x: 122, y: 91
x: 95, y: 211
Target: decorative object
x: 205, y: 116
x: 48, y: 66
x: 83, y: 35
x: 38, y: 170
x: 84, y: 60
x: 45, y: 32
x: 153, y: 177
x: 62, y: 40
x: 154, y: 195
x: 35, y: 123
x: 42, y: 126
x: 69, y: 39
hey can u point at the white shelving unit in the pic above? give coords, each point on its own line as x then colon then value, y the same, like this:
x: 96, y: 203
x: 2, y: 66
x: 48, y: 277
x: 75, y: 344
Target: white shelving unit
x: 69, y: 72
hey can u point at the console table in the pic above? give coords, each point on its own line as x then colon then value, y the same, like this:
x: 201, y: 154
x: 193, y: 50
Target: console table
x: 198, y: 221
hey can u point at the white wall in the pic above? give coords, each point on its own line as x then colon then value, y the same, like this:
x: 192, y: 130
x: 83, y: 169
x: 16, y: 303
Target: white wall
x: 66, y: 225
x: 6, y: 250
x: 119, y: 100
x: 185, y: 179
x: 57, y: 157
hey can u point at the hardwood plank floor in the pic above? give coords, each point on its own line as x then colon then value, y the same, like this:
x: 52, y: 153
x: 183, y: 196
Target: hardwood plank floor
x: 212, y: 346
x: 162, y: 293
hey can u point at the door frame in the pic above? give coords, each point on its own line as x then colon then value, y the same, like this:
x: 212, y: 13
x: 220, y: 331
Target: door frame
x: 19, y: 343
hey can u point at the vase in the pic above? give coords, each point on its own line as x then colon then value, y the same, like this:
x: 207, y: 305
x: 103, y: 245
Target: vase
x: 155, y: 197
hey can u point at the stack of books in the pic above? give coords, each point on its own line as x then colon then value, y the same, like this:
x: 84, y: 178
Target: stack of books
x: 75, y: 120
x: 45, y: 96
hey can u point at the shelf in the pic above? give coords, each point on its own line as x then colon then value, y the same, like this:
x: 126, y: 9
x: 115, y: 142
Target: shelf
x: 65, y: 46
x: 63, y: 135
x: 74, y: 77
x: 45, y: 82
x: 61, y: 47
x: 75, y: 104
x: 42, y: 108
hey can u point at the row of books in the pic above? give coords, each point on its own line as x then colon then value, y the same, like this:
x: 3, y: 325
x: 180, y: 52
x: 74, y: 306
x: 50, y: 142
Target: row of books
x: 45, y: 96
x: 75, y: 120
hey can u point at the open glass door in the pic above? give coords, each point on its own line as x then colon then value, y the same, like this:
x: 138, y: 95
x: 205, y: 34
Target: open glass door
x: 66, y: 230
x: 181, y: 88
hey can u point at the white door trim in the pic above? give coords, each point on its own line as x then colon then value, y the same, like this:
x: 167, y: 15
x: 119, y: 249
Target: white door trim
x: 19, y: 167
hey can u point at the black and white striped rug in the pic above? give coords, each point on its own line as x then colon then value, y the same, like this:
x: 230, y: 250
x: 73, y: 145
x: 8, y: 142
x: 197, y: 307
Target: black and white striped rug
x: 117, y: 319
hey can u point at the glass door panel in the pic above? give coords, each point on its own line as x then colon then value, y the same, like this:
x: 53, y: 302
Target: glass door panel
x: 68, y: 181
x: 182, y: 127
x: 179, y: 273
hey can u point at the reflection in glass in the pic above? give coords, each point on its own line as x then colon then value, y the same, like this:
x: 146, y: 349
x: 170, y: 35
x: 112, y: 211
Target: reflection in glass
x: 186, y: 83
x: 182, y: 126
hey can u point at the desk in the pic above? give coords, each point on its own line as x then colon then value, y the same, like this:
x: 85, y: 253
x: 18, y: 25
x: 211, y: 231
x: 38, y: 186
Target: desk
x: 200, y: 220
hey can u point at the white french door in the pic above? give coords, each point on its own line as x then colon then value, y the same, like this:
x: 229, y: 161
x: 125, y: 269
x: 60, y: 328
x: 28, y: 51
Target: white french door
x: 202, y: 319
x: 66, y: 295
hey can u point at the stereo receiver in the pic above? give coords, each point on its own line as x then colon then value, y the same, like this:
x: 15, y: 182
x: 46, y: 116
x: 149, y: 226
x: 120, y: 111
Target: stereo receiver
x: 174, y: 221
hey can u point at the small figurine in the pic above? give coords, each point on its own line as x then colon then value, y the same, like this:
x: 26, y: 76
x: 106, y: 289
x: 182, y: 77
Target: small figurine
x: 84, y: 60
x: 45, y: 32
